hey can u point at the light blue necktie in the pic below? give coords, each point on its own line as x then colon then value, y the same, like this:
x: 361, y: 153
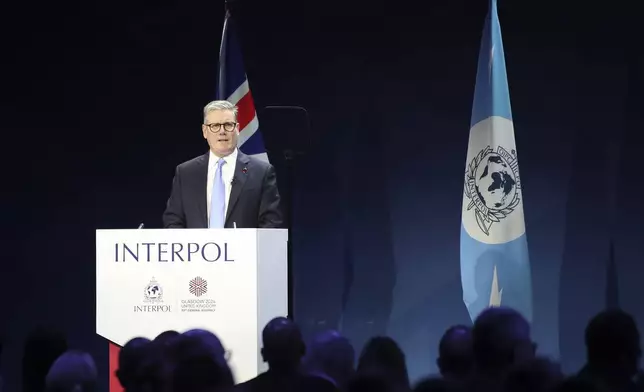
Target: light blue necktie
x: 218, y: 199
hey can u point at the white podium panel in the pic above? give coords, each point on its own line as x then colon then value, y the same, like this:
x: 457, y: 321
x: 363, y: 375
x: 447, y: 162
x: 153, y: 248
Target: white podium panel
x: 228, y: 281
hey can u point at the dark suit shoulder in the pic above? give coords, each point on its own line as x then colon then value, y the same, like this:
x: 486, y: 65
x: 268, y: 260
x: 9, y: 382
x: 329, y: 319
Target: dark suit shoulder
x: 259, y: 163
x: 193, y: 163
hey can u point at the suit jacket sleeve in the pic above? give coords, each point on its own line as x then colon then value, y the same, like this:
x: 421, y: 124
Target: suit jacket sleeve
x: 174, y: 215
x: 270, y: 214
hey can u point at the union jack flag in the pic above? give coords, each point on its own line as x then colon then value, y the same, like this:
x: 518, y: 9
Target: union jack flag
x: 232, y: 85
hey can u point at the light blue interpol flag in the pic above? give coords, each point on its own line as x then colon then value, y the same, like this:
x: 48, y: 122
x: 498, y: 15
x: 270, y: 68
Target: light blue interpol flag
x: 495, y: 268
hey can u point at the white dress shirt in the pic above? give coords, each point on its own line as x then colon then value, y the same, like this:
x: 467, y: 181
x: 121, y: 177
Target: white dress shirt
x: 227, y: 174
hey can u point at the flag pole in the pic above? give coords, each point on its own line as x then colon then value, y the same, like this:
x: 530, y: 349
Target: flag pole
x: 289, y: 154
x: 221, y: 76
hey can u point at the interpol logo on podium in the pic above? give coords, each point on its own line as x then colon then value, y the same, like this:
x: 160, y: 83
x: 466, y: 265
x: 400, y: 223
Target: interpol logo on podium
x: 229, y: 281
x: 152, y: 299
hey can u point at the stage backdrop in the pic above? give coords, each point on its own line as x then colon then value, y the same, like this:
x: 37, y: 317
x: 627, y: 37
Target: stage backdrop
x: 98, y: 110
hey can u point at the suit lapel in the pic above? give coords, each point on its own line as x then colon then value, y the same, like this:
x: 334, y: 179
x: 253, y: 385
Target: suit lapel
x: 202, y: 180
x: 239, y: 179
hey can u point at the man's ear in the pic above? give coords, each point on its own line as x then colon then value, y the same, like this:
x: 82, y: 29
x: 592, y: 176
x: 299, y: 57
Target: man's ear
x: 439, y: 363
x: 263, y: 356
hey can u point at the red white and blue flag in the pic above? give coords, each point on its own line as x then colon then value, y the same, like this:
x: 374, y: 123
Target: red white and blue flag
x: 232, y: 85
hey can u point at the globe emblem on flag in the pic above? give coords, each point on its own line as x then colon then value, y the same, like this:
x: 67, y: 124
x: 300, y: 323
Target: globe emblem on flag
x: 495, y: 183
x: 198, y: 286
x: 153, y: 291
x: 492, y: 186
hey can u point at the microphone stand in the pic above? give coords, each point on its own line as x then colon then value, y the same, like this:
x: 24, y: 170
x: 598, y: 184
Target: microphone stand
x: 289, y: 158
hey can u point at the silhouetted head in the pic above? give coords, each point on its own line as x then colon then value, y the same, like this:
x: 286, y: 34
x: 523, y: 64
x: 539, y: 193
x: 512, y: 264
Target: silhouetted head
x: 209, y: 339
x: 370, y: 383
x: 74, y: 371
x: 166, y: 337
x: 197, y: 367
x: 613, y: 343
x: 330, y: 355
x: 131, y: 357
x: 155, y: 367
x: 381, y: 355
x: 283, y: 346
x: 434, y: 384
x: 455, y: 357
x: 42, y: 347
x: 500, y: 339
x: 536, y: 375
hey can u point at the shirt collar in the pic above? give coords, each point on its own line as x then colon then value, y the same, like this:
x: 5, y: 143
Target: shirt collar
x: 212, y: 161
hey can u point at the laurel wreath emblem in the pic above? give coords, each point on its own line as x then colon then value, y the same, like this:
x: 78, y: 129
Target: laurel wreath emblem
x: 493, y: 215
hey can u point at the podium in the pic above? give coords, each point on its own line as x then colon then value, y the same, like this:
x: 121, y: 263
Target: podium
x: 228, y: 281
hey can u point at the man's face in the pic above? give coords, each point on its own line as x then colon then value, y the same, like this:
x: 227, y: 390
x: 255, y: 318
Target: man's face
x: 221, y: 130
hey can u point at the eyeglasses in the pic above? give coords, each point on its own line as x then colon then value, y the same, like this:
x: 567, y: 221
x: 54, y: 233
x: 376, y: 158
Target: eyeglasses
x: 228, y: 126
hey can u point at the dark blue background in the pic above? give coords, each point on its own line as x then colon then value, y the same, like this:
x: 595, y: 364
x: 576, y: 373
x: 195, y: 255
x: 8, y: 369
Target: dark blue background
x: 101, y: 101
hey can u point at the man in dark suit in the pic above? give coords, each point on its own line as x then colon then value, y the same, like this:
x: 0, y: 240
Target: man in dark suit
x: 223, y: 188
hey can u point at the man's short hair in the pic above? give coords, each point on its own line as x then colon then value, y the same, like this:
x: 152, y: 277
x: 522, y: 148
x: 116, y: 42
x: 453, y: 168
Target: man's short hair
x: 220, y: 105
x: 610, y: 335
x: 496, y: 335
x: 198, y: 363
x: 72, y: 371
x: 455, y: 350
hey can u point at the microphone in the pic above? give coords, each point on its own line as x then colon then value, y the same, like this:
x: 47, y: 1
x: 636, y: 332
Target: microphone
x: 141, y: 225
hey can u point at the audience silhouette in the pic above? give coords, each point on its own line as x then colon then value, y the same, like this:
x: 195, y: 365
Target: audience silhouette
x: 130, y: 356
x: 197, y: 363
x: 74, y: 371
x: 496, y: 354
x: 283, y: 349
x: 455, y: 359
x: 381, y: 355
x: 500, y: 341
x: 329, y: 363
x: 612, y: 352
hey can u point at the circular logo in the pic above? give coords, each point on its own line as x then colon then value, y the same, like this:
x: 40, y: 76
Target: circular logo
x: 492, y: 201
x: 495, y: 183
x: 153, y: 292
